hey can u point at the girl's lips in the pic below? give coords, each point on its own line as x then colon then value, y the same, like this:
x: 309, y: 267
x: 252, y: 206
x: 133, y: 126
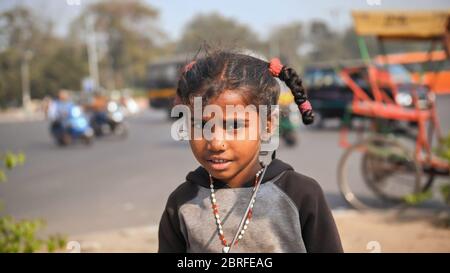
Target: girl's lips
x: 219, y: 166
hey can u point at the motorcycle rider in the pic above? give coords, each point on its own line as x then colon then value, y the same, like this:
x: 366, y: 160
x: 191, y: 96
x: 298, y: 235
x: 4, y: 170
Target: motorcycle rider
x: 59, y: 109
x: 98, y: 107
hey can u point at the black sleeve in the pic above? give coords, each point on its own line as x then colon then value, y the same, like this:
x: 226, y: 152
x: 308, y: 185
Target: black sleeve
x: 170, y: 238
x: 319, y: 230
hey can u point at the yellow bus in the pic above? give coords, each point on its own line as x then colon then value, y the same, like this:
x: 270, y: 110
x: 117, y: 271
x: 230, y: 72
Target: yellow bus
x: 162, y: 79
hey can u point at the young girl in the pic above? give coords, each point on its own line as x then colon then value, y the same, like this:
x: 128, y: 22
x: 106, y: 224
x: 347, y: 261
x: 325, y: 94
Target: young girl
x: 233, y: 202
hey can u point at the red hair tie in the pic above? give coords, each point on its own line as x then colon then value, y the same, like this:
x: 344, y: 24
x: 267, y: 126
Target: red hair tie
x: 304, y: 107
x: 188, y: 66
x: 275, y: 67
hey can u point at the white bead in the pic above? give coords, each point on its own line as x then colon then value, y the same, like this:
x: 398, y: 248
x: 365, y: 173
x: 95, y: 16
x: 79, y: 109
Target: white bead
x: 213, y: 195
x: 240, y: 237
x: 218, y: 221
x: 246, y: 222
x: 221, y: 231
x: 242, y: 232
x: 217, y: 216
x: 214, y: 200
x: 245, y: 227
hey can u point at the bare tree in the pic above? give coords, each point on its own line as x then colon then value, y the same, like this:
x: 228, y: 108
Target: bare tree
x: 217, y: 31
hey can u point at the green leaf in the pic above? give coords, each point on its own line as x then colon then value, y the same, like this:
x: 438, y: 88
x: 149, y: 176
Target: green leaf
x: 21, y: 236
x: 2, y: 176
x: 21, y: 158
x: 10, y: 160
x: 445, y: 191
x: 417, y: 198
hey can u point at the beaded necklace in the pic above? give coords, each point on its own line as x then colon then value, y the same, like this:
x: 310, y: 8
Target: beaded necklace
x: 247, y: 216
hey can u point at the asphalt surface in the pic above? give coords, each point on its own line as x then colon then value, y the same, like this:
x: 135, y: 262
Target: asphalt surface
x: 120, y: 183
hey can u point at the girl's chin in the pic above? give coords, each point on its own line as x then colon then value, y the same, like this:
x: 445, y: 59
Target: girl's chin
x: 220, y: 174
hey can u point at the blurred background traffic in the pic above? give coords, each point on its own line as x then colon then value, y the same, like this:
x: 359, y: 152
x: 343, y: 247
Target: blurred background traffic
x: 86, y: 89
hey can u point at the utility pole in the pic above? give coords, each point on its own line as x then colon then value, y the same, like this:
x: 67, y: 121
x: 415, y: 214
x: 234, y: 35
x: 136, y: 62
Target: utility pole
x: 92, y: 52
x: 25, y: 76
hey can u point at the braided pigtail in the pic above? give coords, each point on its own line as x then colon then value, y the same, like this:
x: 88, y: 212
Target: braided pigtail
x: 294, y: 82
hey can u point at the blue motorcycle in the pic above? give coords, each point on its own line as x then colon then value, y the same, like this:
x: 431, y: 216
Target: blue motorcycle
x: 72, y: 125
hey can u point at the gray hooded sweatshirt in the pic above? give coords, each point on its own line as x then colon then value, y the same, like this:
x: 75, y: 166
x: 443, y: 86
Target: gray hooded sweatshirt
x: 290, y: 215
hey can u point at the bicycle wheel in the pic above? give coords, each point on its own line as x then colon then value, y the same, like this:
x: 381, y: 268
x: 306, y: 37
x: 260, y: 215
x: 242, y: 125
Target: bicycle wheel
x: 378, y: 173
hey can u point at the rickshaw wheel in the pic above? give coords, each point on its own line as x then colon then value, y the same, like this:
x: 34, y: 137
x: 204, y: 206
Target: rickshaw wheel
x: 381, y: 160
x: 408, y: 140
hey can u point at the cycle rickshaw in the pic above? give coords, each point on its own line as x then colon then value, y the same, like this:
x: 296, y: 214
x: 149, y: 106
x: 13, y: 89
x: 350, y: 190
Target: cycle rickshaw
x: 393, y: 156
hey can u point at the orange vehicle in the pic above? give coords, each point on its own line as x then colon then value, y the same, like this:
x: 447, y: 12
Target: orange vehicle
x: 429, y: 68
x: 394, y: 156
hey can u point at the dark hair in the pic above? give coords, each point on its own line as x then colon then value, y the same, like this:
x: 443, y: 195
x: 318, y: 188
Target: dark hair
x: 222, y: 70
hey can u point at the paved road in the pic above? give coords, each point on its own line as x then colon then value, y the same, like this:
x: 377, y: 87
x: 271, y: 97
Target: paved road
x: 115, y: 184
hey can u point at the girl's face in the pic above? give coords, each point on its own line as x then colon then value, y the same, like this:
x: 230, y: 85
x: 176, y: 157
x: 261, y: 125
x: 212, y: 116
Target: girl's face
x: 231, y: 153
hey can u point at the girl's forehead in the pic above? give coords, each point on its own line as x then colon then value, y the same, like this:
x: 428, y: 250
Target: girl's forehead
x: 229, y: 104
x: 229, y: 97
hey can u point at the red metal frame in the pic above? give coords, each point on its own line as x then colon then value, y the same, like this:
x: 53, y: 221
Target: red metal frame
x: 383, y: 106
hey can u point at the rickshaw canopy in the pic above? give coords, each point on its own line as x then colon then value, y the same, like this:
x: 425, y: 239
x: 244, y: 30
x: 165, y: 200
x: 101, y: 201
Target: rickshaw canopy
x: 401, y: 25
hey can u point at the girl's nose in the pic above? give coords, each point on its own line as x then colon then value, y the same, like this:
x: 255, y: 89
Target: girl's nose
x: 217, y: 142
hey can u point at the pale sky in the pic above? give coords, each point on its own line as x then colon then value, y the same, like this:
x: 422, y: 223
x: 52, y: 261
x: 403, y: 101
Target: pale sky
x: 260, y: 15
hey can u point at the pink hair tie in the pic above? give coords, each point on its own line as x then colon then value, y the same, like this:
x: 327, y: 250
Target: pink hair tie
x: 275, y: 67
x: 304, y: 107
x: 188, y: 66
